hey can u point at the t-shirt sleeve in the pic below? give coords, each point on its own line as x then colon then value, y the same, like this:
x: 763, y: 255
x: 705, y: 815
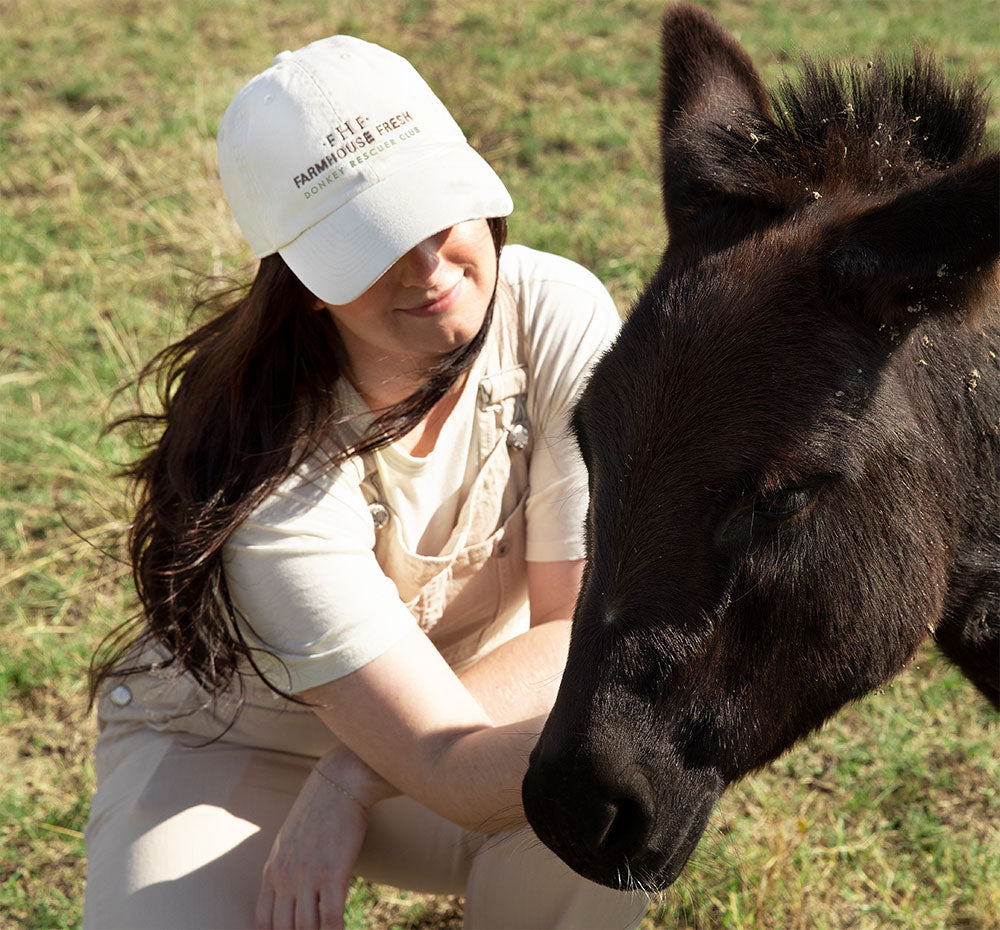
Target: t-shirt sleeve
x: 302, y: 574
x: 570, y: 320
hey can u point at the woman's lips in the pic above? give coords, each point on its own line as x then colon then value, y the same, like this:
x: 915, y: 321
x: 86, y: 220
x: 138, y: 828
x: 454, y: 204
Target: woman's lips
x: 437, y: 304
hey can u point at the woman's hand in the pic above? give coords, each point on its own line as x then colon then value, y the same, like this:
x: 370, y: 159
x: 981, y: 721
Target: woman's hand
x: 307, y: 875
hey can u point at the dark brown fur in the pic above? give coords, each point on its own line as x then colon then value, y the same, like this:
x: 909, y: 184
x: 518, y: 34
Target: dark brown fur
x: 792, y: 447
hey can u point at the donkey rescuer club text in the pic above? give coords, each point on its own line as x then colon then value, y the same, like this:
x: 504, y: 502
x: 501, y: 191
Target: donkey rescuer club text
x: 354, y: 138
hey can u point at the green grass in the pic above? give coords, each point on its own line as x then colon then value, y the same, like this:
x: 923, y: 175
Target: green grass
x: 111, y: 215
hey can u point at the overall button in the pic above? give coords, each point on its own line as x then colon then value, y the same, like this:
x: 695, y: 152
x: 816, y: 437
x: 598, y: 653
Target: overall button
x: 121, y: 695
x: 518, y: 436
x: 503, y: 547
x: 380, y: 514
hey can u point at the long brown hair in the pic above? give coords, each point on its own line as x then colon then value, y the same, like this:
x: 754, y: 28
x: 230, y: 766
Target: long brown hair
x: 244, y: 400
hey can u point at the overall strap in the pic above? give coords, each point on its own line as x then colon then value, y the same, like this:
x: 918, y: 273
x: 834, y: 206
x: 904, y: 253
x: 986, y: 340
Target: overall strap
x: 504, y: 388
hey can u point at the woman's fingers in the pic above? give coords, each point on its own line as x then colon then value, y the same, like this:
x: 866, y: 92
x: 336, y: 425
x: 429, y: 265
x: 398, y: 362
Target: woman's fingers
x: 265, y: 908
x: 283, y: 915
x: 302, y: 911
x: 307, y: 911
x: 331, y: 910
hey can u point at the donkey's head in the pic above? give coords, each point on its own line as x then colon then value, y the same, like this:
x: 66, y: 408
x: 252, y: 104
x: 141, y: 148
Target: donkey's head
x: 774, y: 504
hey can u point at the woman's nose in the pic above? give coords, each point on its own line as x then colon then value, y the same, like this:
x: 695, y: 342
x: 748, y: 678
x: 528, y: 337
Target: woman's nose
x: 418, y: 265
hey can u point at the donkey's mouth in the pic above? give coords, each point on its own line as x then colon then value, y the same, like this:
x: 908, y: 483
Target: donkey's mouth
x: 652, y: 867
x: 660, y: 867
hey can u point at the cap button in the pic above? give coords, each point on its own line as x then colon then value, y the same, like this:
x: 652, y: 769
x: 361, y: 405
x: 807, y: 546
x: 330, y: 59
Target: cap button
x: 281, y: 56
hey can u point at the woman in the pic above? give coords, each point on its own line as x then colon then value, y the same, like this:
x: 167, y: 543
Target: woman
x: 358, y: 541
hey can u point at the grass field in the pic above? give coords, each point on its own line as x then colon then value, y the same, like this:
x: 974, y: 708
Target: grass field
x: 110, y: 218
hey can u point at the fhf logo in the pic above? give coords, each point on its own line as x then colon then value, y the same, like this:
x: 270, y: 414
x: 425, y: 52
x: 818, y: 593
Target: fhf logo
x: 355, y: 140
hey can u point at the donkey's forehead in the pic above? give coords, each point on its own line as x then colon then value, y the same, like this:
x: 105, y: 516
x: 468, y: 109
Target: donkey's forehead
x: 754, y: 324
x: 708, y: 368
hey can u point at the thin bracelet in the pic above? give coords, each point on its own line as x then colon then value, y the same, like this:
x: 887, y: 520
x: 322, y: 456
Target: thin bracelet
x: 342, y: 790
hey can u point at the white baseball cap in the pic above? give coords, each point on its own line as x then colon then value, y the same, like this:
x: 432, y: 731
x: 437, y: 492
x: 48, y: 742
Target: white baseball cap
x: 340, y: 158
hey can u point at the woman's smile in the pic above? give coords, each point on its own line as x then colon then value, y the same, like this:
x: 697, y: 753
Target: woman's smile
x: 440, y: 302
x: 431, y: 301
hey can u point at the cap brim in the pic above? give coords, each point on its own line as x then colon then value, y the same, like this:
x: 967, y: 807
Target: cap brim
x: 342, y: 255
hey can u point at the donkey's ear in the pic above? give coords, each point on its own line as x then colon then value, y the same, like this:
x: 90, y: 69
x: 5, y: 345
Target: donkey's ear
x: 708, y: 86
x: 930, y: 249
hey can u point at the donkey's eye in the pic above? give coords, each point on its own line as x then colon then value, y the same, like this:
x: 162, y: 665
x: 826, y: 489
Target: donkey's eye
x: 762, y: 513
x: 785, y: 502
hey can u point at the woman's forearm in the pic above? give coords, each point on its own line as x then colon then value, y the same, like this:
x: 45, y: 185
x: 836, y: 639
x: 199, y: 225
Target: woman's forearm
x: 519, y: 679
x: 458, y: 746
x: 516, y: 685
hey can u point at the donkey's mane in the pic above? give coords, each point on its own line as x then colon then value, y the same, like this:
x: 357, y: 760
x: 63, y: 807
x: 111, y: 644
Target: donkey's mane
x: 868, y: 128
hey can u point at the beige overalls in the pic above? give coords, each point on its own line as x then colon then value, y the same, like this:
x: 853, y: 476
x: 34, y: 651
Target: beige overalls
x: 180, y: 828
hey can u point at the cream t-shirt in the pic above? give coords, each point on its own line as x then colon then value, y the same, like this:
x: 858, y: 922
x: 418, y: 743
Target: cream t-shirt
x: 301, y: 569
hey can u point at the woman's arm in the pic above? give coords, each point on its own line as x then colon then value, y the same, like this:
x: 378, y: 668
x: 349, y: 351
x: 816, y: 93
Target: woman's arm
x: 308, y: 872
x: 519, y: 680
x: 458, y: 745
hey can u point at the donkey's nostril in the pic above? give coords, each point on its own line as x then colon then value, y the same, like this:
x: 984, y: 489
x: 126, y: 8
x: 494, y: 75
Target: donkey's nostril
x: 626, y: 827
x: 618, y: 827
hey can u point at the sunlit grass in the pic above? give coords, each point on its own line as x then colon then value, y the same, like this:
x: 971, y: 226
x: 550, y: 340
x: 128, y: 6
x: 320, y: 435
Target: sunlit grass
x: 111, y: 216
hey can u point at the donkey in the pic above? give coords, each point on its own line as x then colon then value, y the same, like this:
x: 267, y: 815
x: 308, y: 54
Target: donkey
x: 792, y: 447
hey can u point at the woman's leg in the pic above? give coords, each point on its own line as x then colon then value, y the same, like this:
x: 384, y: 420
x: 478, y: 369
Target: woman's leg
x: 516, y: 882
x: 510, y: 882
x: 179, y: 834
x: 408, y: 846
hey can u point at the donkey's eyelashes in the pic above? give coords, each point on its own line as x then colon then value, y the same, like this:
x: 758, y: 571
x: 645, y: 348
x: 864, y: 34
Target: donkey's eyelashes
x: 758, y: 514
x: 785, y: 502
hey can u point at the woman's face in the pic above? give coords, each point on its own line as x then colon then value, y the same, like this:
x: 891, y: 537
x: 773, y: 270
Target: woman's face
x: 432, y: 300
